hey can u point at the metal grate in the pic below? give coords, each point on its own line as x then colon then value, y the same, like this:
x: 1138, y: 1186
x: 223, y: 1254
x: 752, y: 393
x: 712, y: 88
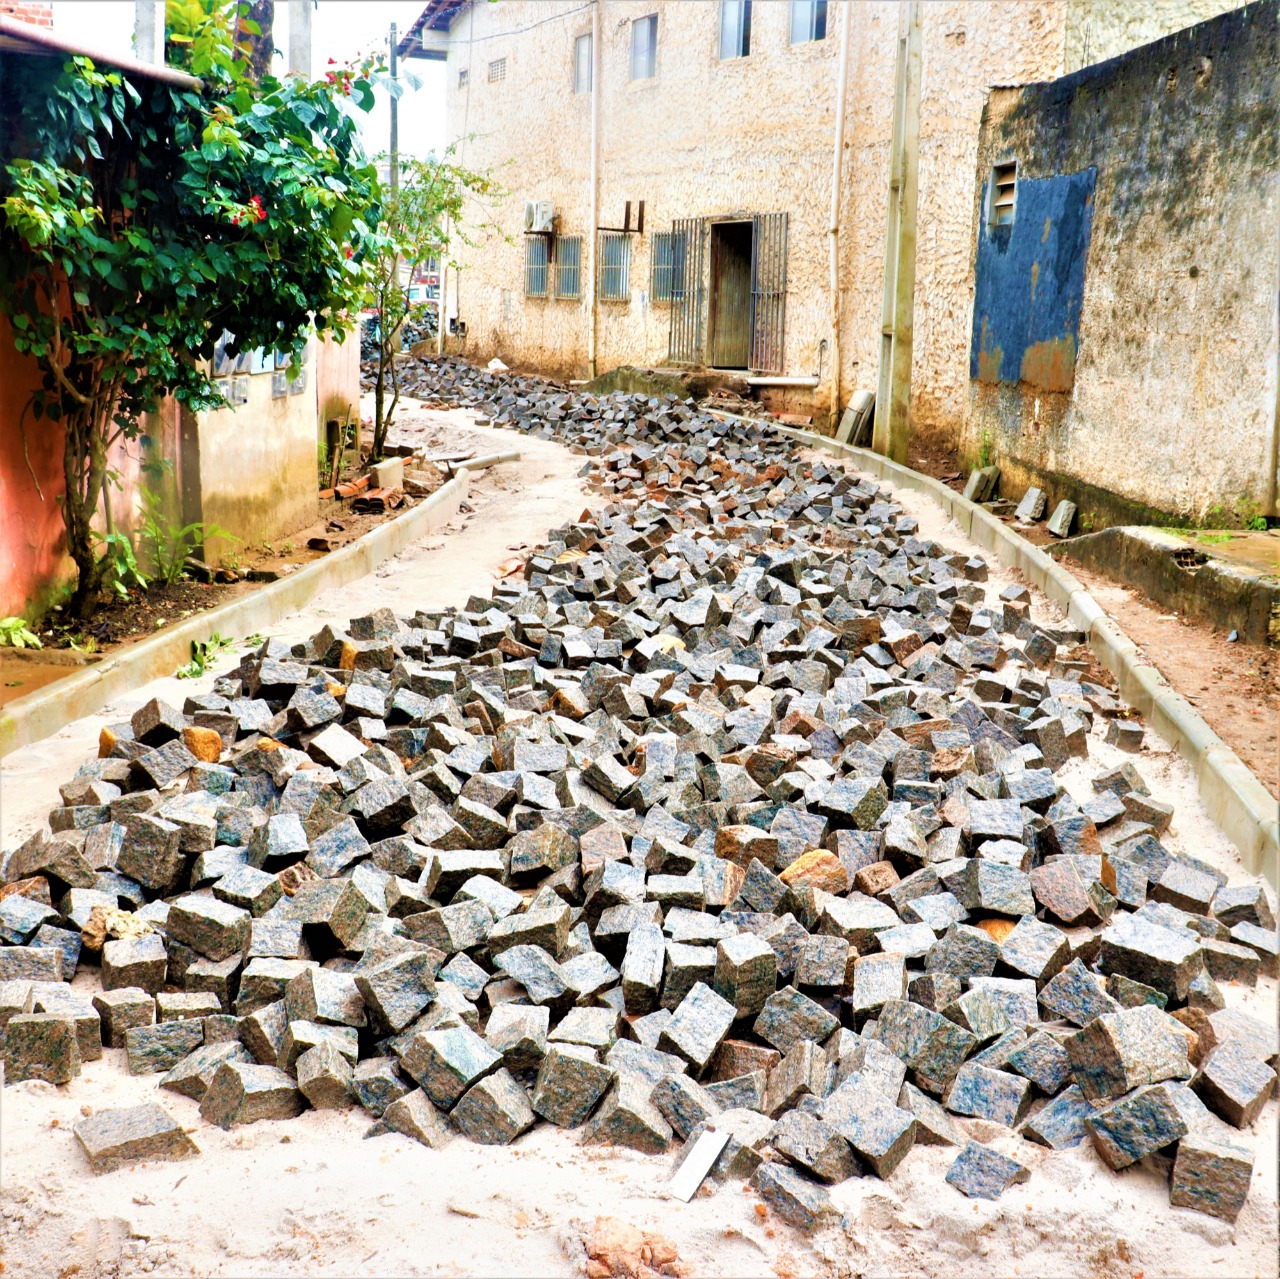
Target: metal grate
x: 569, y: 266
x: 768, y: 291
x: 497, y: 70
x: 615, y: 266
x: 663, y: 274
x: 1004, y: 193
x: 688, y: 290
x: 535, y: 266
x: 463, y: 76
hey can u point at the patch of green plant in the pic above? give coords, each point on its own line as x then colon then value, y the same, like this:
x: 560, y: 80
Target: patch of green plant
x: 1213, y: 539
x: 252, y: 641
x: 14, y: 634
x: 167, y: 544
x: 986, y: 446
x: 82, y: 643
x: 120, y: 572
x: 204, y: 653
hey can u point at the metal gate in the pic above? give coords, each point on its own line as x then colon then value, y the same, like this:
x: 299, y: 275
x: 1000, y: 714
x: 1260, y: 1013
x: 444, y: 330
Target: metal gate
x: 768, y: 291
x: 688, y: 290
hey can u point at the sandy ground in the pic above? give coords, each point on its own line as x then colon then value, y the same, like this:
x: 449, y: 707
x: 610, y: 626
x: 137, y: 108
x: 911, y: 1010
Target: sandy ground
x: 310, y: 1197
x: 1236, y: 687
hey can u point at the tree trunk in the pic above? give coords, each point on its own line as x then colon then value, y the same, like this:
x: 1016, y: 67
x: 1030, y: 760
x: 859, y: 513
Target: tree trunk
x: 261, y: 47
x: 84, y: 468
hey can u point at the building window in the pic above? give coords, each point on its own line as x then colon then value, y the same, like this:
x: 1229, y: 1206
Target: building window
x: 497, y: 70
x: 615, y: 266
x: 582, y: 64
x: 463, y: 76
x: 668, y: 265
x: 644, y: 47
x: 535, y: 266
x: 569, y: 266
x: 1003, y: 193
x: 808, y: 20
x: 735, y: 28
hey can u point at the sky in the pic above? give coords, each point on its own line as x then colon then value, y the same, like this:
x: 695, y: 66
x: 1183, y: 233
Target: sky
x: 340, y: 29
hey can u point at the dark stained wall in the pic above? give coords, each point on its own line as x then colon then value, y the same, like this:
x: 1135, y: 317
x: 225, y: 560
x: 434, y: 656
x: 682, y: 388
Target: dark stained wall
x: 1124, y: 341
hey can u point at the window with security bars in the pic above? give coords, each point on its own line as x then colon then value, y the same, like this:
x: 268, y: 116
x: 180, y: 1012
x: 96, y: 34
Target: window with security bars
x: 615, y: 266
x: 808, y: 20
x: 735, y: 29
x: 497, y: 70
x: 569, y: 266
x: 536, y: 261
x: 1003, y: 193
x: 668, y: 255
x: 463, y: 76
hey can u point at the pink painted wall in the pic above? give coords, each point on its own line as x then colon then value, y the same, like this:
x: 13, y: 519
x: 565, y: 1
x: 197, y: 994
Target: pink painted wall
x: 33, y: 560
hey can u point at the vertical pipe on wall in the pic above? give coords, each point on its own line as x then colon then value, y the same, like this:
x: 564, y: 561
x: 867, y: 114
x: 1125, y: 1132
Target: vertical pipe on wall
x: 1272, y: 491
x: 833, y: 229
x: 593, y: 195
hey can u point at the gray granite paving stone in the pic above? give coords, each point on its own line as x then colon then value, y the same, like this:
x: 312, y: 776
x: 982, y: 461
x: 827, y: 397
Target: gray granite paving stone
x: 982, y: 1173
x: 115, y: 1138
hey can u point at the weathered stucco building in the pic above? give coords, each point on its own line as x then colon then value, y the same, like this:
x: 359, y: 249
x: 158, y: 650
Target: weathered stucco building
x: 735, y: 124
x: 1124, y: 344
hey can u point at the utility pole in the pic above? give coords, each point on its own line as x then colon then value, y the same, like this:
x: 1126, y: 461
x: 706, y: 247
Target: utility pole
x: 300, y: 38
x: 892, y: 428
x: 395, y: 119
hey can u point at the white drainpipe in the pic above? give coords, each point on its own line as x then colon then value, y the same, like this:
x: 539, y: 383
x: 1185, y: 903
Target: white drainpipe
x: 837, y: 160
x: 593, y: 219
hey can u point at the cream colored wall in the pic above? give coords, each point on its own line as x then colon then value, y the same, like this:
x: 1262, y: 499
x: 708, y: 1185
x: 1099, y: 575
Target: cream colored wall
x: 706, y: 137
x: 1102, y: 29
x: 252, y: 468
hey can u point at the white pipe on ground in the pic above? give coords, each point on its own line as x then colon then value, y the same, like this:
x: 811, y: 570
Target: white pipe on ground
x: 783, y: 381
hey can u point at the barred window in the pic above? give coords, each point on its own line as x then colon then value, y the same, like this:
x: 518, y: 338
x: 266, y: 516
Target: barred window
x: 668, y: 265
x: 463, y: 76
x: 569, y: 266
x: 615, y: 266
x: 535, y: 266
x: 497, y: 70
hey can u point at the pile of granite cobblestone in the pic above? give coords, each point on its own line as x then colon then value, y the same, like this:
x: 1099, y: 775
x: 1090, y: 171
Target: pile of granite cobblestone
x: 741, y: 811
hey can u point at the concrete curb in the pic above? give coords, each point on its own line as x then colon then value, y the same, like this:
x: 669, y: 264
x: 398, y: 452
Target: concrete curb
x: 42, y: 713
x: 1235, y: 799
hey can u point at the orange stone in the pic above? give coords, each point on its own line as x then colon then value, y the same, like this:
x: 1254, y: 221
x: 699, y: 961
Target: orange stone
x: 817, y: 869
x: 106, y: 743
x: 347, y: 658
x: 997, y: 929
x: 204, y: 743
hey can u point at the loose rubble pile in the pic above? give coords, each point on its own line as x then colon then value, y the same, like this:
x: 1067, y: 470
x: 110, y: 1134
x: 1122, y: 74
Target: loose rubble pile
x: 741, y: 812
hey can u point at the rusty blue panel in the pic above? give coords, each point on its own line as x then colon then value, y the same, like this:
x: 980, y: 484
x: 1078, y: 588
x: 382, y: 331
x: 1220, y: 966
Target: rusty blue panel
x: 1030, y: 283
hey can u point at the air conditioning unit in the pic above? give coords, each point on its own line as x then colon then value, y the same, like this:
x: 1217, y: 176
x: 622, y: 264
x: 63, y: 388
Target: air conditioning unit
x: 539, y: 217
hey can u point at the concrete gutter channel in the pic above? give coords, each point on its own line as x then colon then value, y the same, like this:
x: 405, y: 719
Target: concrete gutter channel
x: 41, y: 714
x: 1235, y: 799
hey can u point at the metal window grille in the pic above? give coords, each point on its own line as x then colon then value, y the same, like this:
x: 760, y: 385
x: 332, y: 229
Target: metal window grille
x: 644, y: 47
x: 768, y: 291
x: 569, y: 266
x: 497, y: 70
x: 463, y: 76
x: 662, y: 284
x: 615, y: 266
x: 1003, y: 193
x: 808, y: 20
x: 688, y: 290
x: 535, y: 266
x: 735, y: 28
x: 582, y: 64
